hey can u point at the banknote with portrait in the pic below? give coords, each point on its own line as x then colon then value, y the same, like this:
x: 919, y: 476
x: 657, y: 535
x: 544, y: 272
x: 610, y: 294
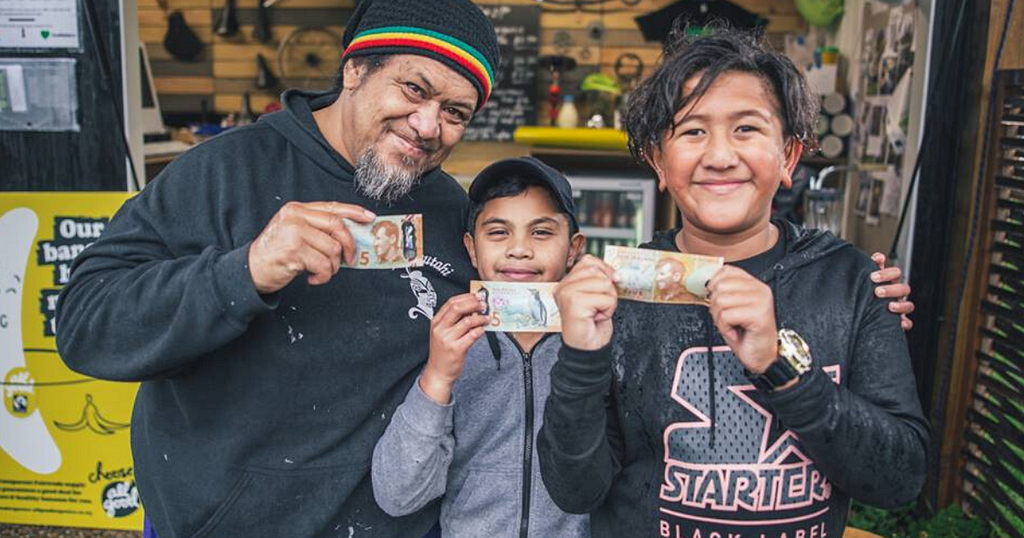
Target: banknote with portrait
x: 657, y: 276
x: 388, y: 242
x: 518, y: 306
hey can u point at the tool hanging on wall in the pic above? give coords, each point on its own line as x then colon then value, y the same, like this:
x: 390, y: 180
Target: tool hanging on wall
x: 227, y: 23
x: 556, y: 65
x: 629, y: 68
x: 308, y: 53
x: 261, y: 32
x: 265, y: 79
x: 179, y: 40
x: 584, y: 6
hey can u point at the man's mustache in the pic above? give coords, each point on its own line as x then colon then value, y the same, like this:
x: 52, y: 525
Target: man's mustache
x: 427, y: 146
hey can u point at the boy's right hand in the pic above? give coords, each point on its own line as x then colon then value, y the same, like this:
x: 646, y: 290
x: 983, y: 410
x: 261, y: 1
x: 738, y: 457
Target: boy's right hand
x: 454, y: 328
x: 586, y: 300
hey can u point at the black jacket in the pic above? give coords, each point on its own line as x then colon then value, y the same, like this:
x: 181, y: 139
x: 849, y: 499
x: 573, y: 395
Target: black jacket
x: 257, y: 416
x: 684, y: 443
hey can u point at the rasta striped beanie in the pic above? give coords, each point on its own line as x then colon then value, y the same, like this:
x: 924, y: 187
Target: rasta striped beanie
x: 453, y: 32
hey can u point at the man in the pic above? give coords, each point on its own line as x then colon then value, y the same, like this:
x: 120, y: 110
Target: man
x: 386, y: 242
x: 268, y: 371
x: 669, y: 278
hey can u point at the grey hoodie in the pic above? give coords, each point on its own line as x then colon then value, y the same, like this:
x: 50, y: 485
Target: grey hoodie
x: 477, y: 451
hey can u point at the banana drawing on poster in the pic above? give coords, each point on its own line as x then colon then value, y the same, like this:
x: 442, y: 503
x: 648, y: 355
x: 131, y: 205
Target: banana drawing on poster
x: 23, y: 435
x: 65, y: 458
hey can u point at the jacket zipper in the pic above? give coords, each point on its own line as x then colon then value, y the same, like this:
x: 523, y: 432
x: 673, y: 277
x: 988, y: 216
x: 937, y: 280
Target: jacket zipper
x: 524, y: 521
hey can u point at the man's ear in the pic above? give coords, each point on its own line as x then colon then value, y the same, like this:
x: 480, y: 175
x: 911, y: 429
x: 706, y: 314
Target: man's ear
x: 353, y: 75
x: 653, y: 158
x: 467, y: 239
x: 576, y: 244
x: 793, y: 150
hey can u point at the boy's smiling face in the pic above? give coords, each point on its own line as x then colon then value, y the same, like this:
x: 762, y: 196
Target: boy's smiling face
x: 523, y: 238
x: 727, y: 156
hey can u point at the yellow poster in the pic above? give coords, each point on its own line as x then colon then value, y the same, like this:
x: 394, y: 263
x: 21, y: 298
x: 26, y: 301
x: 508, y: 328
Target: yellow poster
x: 65, y: 458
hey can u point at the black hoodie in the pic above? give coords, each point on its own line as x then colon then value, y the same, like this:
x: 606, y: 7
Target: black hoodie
x: 257, y: 415
x: 685, y: 447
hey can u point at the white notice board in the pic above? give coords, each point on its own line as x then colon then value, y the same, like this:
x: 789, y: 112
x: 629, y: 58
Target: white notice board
x: 39, y: 24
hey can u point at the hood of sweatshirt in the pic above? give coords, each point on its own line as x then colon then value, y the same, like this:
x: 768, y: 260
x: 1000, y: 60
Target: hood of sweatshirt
x: 803, y: 246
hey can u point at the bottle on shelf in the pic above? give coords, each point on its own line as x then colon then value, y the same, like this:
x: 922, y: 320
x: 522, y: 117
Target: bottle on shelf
x: 245, y: 115
x: 583, y: 208
x: 622, y: 211
x: 568, y: 116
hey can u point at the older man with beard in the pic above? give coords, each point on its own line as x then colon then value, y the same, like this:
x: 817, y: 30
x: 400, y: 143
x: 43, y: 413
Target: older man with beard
x: 268, y: 374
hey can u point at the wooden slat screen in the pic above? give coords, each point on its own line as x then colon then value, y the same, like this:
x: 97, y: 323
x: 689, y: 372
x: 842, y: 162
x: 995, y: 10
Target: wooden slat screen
x: 993, y: 454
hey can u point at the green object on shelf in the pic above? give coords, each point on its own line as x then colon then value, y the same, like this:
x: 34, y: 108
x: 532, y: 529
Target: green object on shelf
x: 579, y: 138
x: 599, y: 82
x: 820, y: 12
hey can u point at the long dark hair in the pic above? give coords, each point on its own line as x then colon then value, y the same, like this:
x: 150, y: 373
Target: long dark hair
x: 656, y: 101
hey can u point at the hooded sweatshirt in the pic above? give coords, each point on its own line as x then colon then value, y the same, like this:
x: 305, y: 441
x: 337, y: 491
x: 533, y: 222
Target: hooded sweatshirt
x: 661, y: 434
x: 257, y: 414
x: 478, y: 450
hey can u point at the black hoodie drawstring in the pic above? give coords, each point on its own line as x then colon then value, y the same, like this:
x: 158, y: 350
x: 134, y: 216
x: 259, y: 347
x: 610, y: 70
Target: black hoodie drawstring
x: 708, y: 335
x: 492, y: 340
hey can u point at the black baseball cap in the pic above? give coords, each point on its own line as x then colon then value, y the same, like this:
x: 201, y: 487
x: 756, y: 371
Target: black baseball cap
x: 532, y: 168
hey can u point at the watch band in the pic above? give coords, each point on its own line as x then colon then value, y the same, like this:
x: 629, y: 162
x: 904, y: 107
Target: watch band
x: 778, y: 374
x: 792, y: 361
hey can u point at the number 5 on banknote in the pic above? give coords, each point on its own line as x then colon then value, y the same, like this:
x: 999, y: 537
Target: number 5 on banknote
x: 518, y: 306
x: 388, y: 242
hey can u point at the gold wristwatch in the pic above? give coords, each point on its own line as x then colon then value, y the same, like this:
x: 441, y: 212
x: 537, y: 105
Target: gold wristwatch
x: 793, y: 361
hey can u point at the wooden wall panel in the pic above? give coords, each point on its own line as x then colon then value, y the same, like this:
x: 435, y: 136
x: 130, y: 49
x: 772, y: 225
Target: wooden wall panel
x: 230, y: 65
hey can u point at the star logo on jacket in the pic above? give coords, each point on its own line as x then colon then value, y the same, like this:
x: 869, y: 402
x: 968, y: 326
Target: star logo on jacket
x: 715, y: 461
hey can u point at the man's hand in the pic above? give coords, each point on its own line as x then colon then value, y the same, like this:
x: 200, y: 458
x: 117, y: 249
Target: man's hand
x: 586, y: 300
x: 889, y: 285
x: 304, y: 237
x: 456, y: 326
x: 743, y: 310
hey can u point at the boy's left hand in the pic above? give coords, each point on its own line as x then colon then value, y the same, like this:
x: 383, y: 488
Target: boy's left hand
x: 743, y: 309
x: 889, y: 285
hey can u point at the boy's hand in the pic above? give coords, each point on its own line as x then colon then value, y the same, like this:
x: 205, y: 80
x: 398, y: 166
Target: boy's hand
x: 456, y: 326
x: 897, y: 290
x: 743, y: 309
x: 586, y: 300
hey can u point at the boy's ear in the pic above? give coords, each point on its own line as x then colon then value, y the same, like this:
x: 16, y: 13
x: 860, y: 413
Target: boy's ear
x: 576, y: 244
x: 467, y: 240
x: 653, y: 158
x: 793, y: 150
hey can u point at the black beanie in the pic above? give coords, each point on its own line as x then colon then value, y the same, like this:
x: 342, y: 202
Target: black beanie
x: 453, y: 32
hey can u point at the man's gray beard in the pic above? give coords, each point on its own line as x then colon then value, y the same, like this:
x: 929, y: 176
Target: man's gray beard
x: 382, y: 182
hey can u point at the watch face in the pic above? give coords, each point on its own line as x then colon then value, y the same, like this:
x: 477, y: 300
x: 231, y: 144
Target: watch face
x: 794, y: 350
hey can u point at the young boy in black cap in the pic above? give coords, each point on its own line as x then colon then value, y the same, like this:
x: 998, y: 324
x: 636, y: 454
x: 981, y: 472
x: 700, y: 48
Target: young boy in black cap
x: 487, y: 392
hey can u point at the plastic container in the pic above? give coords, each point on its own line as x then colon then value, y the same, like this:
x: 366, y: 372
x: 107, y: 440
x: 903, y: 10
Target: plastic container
x: 568, y: 116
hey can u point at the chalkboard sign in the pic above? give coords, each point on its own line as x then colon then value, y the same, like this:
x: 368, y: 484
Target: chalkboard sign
x: 513, y: 101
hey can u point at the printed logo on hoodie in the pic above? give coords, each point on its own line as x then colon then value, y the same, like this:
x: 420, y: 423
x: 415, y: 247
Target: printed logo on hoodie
x: 730, y: 468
